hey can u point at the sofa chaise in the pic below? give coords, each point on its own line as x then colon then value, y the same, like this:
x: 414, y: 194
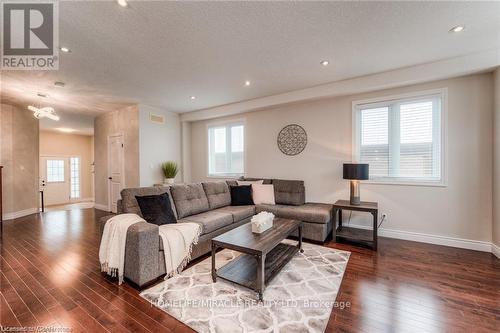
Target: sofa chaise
x: 209, y: 205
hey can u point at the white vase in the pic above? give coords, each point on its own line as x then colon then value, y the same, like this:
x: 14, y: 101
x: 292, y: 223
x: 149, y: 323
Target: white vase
x: 169, y: 181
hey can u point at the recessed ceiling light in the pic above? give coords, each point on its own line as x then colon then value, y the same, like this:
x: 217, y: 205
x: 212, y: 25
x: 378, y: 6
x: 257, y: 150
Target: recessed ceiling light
x: 247, y: 83
x: 325, y: 62
x: 65, y: 130
x: 458, y: 28
x: 122, y: 3
x: 59, y: 84
x: 193, y: 97
x: 65, y: 49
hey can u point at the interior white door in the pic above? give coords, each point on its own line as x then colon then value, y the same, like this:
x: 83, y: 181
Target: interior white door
x: 54, y: 180
x: 115, y: 169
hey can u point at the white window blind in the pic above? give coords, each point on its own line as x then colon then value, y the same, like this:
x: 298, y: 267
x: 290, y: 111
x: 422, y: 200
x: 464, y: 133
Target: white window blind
x: 226, y: 150
x: 401, y: 139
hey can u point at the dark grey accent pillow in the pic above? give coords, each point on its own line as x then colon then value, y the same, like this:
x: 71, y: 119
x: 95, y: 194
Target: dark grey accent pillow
x: 241, y: 195
x: 156, y: 209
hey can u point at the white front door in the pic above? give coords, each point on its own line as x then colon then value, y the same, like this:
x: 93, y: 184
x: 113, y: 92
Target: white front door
x: 115, y: 169
x: 54, y: 180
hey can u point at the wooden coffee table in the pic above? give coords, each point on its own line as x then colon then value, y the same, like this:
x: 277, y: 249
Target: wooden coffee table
x: 264, y: 254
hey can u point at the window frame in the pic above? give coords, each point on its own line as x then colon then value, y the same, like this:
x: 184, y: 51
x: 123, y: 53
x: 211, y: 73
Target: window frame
x: 79, y: 178
x: 47, y: 170
x: 227, y: 124
x: 385, y: 101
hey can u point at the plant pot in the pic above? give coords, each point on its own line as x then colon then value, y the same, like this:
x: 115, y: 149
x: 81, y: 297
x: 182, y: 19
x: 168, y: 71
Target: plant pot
x: 169, y: 181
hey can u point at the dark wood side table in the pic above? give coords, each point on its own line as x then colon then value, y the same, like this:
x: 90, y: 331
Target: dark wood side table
x: 355, y: 235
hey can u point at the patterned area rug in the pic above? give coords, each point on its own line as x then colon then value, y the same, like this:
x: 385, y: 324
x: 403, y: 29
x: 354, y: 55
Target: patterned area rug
x: 299, y: 299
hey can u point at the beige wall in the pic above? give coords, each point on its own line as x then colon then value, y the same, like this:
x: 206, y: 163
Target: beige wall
x: 126, y: 122
x: 19, y: 156
x: 158, y: 143
x: 463, y: 209
x: 71, y: 145
x: 496, y: 163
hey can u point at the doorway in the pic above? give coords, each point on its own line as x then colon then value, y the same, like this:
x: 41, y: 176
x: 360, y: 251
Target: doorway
x: 60, y: 179
x: 116, y: 170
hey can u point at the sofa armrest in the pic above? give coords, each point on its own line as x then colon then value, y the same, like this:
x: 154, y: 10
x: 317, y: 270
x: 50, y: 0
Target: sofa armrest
x: 119, y: 206
x: 142, y: 253
x: 102, y: 223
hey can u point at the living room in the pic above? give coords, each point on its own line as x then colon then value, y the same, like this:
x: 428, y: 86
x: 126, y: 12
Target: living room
x: 277, y: 166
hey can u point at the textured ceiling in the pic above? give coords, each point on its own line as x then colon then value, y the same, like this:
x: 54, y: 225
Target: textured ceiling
x: 161, y: 53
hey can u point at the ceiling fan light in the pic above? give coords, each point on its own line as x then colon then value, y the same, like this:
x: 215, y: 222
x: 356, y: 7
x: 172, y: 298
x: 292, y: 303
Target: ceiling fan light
x: 45, y: 112
x: 53, y: 117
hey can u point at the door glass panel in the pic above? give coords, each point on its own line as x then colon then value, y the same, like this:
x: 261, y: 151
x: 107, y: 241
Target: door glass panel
x: 55, y: 171
x: 75, y: 177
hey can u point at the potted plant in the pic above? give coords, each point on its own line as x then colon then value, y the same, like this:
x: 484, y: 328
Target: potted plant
x: 170, y: 170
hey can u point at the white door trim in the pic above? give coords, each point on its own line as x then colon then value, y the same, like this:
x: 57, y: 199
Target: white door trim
x: 71, y: 200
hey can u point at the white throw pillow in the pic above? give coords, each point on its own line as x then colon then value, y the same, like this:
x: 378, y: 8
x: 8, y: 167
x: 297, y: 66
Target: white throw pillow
x: 249, y: 182
x: 263, y: 194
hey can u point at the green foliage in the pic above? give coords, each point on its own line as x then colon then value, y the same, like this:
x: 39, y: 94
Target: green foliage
x: 170, y: 169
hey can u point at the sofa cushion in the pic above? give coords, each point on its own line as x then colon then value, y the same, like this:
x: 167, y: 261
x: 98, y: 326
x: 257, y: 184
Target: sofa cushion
x: 239, y: 212
x: 217, y: 194
x: 264, y: 180
x: 263, y: 194
x: 309, y: 212
x: 241, y: 195
x: 129, y: 202
x: 189, y: 199
x: 210, y: 221
x: 250, y: 182
x: 289, y: 192
x: 156, y: 209
x: 266, y: 208
x: 231, y: 183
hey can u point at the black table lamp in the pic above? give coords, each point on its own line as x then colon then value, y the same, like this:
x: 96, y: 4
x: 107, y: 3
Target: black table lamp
x: 355, y: 172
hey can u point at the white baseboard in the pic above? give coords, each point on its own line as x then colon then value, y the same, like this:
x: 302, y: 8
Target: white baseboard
x: 495, y: 250
x: 438, y: 240
x: 18, y: 214
x: 84, y: 200
x: 101, y: 207
x: 432, y: 239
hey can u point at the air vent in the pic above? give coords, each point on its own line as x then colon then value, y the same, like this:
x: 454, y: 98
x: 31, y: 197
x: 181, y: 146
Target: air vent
x: 156, y: 118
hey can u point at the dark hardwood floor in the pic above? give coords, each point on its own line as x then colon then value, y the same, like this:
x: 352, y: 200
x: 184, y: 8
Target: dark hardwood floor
x: 50, y: 276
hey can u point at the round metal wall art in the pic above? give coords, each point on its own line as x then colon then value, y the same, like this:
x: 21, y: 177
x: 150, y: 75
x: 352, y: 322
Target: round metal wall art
x: 292, y: 140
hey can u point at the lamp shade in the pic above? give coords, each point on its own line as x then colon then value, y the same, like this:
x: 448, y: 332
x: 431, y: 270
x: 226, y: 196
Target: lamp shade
x: 356, y: 171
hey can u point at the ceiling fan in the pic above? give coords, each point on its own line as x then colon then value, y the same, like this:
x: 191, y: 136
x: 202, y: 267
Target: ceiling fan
x: 45, y: 112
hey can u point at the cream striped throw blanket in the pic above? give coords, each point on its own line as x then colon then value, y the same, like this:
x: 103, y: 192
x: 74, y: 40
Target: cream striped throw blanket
x: 178, y: 240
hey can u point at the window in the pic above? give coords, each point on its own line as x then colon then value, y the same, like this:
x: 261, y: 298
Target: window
x: 55, y: 171
x: 75, y: 177
x: 226, y: 150
x: 401, y: 139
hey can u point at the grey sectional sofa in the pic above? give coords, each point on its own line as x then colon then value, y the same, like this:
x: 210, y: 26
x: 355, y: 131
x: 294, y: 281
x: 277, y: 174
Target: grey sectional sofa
x: 209, y: 205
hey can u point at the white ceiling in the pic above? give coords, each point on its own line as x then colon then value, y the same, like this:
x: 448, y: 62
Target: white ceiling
x: 161, y: 53
x: 77, y: 123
